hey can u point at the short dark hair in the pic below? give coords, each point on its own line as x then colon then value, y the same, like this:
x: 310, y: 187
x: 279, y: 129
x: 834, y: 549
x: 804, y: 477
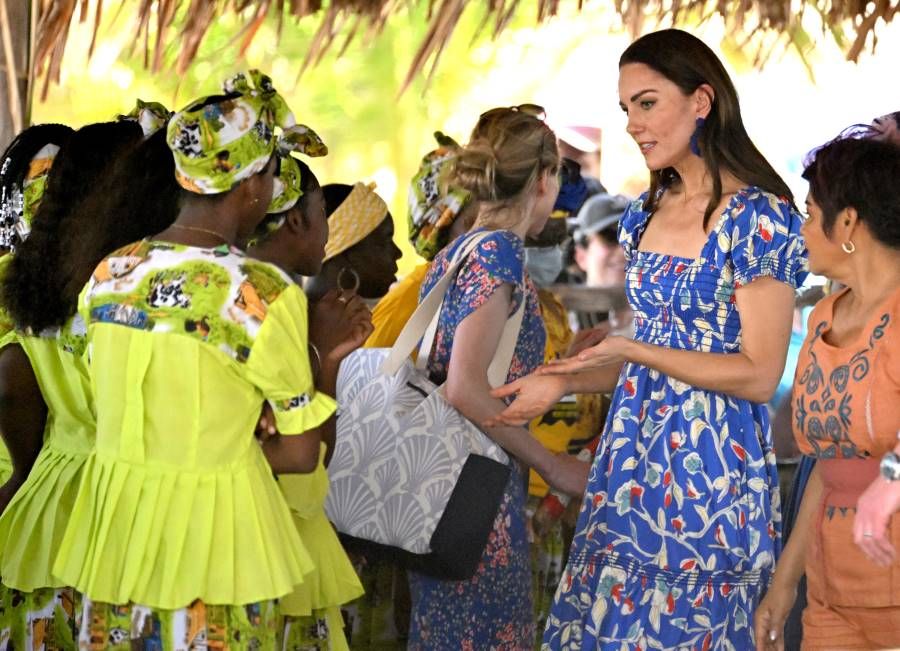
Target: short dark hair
x: 863, y: 174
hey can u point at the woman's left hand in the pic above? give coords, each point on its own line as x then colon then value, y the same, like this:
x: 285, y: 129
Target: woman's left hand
x: 873, y: 513
x: 612, y: 350
x: 339, y: 323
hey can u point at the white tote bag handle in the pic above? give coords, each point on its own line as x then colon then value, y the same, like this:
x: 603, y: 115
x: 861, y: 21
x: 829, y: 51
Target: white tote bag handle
x: 422, y: 325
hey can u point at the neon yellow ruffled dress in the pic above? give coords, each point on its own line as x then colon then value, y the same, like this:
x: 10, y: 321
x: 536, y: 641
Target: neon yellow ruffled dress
x: 33, y: 523
x: 177, y: 502
x: 334, y: 582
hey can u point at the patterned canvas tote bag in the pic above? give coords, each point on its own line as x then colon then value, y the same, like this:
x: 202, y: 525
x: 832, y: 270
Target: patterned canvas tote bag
x: 409, y: 472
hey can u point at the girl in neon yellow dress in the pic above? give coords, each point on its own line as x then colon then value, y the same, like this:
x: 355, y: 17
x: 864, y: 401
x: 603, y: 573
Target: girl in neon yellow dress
x: 294, y: 236
x: 23, y: 177
x: 38, y: 610
x: 179, y: 535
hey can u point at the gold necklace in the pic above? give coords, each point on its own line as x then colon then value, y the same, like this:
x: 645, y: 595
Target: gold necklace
x: 198, y: 229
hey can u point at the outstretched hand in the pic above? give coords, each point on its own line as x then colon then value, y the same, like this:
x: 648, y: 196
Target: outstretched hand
x: 611, y: 350
x: 534, y: 395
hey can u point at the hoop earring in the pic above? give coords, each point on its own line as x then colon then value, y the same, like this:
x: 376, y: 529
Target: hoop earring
x: 695, y: 137
x: 848, y: 247
x: 340, y: 277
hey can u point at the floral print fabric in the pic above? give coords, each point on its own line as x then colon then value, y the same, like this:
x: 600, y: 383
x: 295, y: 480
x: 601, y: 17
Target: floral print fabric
x: 680, y: 524
x: 197, y: 627
x: 492, y: 609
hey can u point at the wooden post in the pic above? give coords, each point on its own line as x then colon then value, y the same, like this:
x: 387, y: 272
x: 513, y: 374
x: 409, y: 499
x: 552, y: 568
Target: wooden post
x: 15, y: 59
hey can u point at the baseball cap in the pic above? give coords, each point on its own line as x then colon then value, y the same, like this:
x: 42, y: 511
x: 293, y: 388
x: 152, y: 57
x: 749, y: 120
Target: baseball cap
x: 599, y: 213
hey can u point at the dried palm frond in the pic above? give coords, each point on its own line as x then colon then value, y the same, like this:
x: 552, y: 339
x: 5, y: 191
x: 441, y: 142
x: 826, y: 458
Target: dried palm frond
x: 847, y: 21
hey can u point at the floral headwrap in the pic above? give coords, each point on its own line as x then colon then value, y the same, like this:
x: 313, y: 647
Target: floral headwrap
x: 286, y: 189
x: 17, y: 209
x: 434, y: 206
x: 217, y: 145
x: 152, y: 116
x: 359, y: 214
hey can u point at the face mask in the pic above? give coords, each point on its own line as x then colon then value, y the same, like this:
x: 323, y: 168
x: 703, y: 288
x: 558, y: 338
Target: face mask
x: 543, y: 264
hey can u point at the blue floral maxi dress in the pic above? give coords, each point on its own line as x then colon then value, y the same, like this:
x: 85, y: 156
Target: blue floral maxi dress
x: 679, y: 529
x: 492, y: 610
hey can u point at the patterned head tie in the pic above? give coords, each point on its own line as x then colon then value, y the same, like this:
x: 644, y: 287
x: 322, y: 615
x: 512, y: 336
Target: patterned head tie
x: 152, y: 116
x: 286, y: 188
x: 19, y: 205
x: 359, y: 214
x: 219, y: 141
x: 433, y: 204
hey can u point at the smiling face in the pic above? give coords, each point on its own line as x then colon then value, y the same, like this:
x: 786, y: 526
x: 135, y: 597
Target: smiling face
x: 661, y: 118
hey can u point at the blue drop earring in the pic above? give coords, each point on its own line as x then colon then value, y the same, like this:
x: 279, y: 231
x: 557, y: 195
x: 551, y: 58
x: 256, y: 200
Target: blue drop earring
x: 695, y: 137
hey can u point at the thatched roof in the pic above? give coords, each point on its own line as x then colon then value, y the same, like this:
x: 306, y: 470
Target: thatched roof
x: 160, y: 23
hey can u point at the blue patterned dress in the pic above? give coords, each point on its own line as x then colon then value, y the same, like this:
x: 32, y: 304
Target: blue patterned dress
x: 679, y: 529
x: 492, y: 610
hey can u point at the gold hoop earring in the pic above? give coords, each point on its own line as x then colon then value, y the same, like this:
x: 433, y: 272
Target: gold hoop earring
x: 340, y: 277
x: 848, y: 247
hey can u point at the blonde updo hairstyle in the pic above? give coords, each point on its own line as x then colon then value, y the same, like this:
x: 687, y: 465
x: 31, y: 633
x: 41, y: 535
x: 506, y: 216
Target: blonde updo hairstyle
x: 508, y: 151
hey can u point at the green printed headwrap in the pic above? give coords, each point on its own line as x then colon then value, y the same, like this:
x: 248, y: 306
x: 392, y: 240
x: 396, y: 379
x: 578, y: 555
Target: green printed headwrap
x: 17, y: 210
x: 152, y: 116
x: 286, y: 189
x: 218, y: 142
x: 433, y: 205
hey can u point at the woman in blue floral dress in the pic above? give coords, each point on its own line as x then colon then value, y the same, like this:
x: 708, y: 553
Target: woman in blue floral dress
x: 510, y: 167
x: 680, y: 524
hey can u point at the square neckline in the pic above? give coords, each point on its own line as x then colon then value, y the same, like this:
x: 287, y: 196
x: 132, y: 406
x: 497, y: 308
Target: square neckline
x: 711, y: 236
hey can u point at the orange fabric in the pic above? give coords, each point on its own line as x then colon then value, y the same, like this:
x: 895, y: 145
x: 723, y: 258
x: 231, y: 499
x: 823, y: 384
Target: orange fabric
x: 829, y: 628
x: 847, y: 400
x: 846, y: 412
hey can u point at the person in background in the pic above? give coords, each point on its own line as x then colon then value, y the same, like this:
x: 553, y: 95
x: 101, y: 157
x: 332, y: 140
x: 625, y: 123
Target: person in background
x: 601, y: 258
x: 581, y: 144
x: 39, y: 607
x: 438, y: 213
x: 24, y: 168
x: 510, y: 166
x: 293, y: 236
x: 679, y: 528
x: 360, y: 255
x: 189, y: 338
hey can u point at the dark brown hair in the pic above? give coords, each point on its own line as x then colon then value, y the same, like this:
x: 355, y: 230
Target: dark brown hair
x: 724, y: 144
x: 859, y: 173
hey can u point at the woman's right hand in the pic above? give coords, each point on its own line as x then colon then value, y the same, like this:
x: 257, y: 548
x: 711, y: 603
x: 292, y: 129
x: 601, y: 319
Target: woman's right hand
x: 771, y: 615
x: 534, y: 395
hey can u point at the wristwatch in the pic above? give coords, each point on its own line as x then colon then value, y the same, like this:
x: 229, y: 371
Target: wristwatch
x: 890, y: 466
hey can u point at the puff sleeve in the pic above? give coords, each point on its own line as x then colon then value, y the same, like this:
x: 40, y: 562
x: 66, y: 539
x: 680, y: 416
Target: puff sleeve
x: 764, y: 240
x: 279, y: 366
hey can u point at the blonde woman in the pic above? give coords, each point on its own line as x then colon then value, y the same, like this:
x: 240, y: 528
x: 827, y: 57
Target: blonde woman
x: 510, y: 167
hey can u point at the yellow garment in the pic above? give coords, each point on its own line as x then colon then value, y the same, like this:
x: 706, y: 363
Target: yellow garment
x: 574, y: 417
x: 178, y: 501
x: 334, y: 581
x: 33, y: 524
x: 357, y: 216
x: 394, y: 309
